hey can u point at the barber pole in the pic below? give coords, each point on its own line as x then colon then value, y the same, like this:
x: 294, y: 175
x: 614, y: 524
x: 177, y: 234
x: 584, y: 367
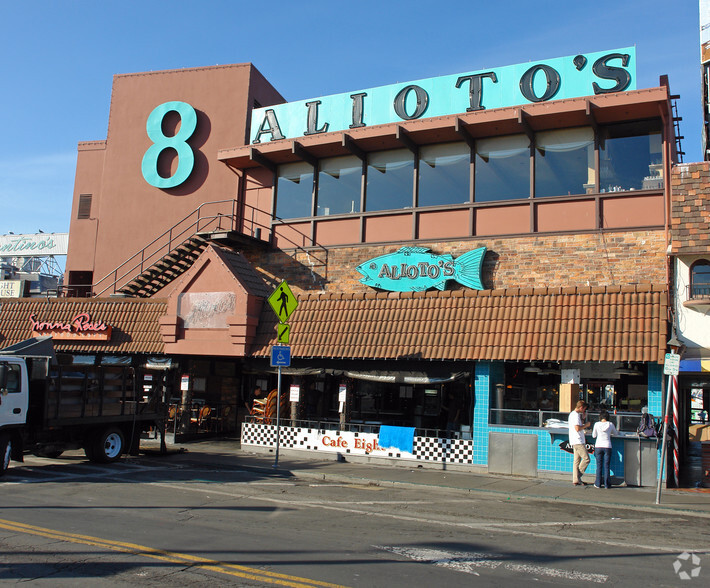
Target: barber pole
x: 674, y: 391
x: 671, y: 367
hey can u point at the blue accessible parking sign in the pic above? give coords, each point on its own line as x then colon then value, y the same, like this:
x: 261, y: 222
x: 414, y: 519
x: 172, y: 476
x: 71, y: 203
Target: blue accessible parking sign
x: 280, y: 356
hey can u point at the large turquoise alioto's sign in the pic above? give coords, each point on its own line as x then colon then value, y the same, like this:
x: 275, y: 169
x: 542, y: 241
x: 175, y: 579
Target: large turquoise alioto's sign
x: 564, y: 77
x: 413, y: 269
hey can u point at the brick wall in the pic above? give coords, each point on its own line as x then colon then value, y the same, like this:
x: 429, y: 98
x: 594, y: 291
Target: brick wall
x: 690, y: 201
x: 598, y: 259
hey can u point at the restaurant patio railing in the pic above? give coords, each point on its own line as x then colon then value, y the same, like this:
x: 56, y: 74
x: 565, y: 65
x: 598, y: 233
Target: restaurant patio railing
x: 623, y: 421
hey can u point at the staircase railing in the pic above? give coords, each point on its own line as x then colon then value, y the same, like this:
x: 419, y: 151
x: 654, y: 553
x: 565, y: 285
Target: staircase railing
x: 197, y: 221
x: 194, y: 223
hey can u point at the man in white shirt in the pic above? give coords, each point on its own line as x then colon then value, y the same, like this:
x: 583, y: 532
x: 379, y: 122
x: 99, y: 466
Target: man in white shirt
x: 577, y: 441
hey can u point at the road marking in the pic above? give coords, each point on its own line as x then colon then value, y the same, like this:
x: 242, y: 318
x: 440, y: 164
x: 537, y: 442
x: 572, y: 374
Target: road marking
x: 509, y: 528
x: 364, y: 486
x: 468, y: 562
x: 168, y: 556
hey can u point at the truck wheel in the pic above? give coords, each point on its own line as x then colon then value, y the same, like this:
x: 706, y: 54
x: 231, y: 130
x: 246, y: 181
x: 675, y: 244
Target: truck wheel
x: 5, y: 454
x: 108, y: 446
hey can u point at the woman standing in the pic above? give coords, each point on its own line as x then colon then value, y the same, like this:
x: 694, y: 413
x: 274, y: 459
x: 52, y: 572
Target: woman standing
x: 602, y: 432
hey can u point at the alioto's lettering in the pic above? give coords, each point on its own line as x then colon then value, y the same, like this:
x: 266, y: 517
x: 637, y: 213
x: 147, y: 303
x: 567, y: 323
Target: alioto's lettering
x: 465, y: 93
x: 421, y: 269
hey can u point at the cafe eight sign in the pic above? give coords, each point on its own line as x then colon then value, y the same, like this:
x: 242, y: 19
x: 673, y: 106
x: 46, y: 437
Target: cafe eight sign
x: 283, y: 301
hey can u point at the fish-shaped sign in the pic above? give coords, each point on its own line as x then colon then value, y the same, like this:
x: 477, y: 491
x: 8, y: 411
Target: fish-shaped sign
x: 414, y: 269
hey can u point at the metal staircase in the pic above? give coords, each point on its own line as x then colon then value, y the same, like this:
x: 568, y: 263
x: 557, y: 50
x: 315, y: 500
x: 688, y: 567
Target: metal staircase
x: 173, y: 252
x: 166, y: 269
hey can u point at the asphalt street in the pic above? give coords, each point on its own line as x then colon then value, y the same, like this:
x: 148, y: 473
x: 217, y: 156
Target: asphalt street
x: 214, y: 514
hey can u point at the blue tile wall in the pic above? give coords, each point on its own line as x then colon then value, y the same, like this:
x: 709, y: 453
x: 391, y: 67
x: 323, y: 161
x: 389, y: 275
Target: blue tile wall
x: 655, y: 389
x: 656, y: 404
x: 485, y: 376
x: 550, y: 457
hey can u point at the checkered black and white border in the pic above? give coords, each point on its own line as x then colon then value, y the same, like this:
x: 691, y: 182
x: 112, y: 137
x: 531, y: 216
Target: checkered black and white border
x: 429, y: 449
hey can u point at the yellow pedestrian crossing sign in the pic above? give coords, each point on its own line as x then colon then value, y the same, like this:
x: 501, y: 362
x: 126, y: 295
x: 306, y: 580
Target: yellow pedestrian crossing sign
x: 283, y: 302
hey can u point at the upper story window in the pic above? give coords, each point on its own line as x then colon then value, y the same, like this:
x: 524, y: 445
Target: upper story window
x: 339, y: 185
x: 444, y: 174
x: 630, y: 157
x: 700, y: 279
x: 502, y: 168
x: 564, y: 162
x: 390, y: 180
x: 294, y: 190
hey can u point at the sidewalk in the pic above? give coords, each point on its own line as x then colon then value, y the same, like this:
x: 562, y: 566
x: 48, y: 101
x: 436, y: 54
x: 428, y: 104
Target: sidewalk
x: 228, y: 453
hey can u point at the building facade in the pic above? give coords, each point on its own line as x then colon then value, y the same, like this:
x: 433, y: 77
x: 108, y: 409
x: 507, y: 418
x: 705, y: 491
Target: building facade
x: 470, y: 254
x: 690, y: 253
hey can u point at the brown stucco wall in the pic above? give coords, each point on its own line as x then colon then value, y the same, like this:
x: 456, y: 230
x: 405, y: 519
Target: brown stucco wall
x: 128, y: 212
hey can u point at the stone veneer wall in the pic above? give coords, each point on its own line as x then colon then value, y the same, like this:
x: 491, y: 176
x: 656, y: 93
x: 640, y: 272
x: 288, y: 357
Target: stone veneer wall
x: 690, y: 201
x: 594, y: 259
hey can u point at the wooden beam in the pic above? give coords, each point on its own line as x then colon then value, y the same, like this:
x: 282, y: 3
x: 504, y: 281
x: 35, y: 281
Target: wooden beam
x: 461, y: 128
x: 525, y: 124
x: 351, y: 145
x: 300, y: 151
x: 404, y: 137
x: 257, y: 157
x: 591, y: 116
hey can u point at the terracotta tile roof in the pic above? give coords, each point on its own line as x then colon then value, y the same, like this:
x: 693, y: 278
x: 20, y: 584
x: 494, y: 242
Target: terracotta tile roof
x: 625, y: 323
x: 134, y: 322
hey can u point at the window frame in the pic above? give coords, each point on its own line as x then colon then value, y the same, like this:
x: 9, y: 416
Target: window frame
x: 691, y: 275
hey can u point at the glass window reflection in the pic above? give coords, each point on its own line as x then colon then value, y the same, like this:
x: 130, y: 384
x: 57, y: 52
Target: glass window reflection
x: 390, y: 177
x: 444, y: 172
x: 564, y: 162
x: 630, y: 157
x: 339, y: 180
x: 294, y: 190
x: 700, y: 279
x: 502, y: 168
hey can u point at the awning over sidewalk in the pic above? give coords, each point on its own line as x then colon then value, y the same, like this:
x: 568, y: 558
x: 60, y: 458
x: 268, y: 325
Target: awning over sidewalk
x: 524, y: 324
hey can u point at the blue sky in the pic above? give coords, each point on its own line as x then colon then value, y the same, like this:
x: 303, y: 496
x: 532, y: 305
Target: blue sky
x: 59, y: 57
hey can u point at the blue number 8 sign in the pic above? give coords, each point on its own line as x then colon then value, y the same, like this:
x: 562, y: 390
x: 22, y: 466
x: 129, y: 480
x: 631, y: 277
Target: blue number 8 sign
x: 186, y: 158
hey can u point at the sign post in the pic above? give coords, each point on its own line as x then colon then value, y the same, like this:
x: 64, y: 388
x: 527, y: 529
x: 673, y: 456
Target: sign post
x: 671, y: 367
x: 283, y: 303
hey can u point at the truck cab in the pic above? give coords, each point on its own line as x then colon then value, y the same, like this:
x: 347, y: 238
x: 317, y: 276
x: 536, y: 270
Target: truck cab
x: 14, y: 391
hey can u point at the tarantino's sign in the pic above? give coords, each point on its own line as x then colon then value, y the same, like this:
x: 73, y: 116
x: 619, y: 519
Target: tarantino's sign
x: 81, y: 327
x: 39, y: 245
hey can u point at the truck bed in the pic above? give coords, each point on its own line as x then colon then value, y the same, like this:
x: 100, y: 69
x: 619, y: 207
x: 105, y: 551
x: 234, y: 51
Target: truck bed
x: 91, y: 394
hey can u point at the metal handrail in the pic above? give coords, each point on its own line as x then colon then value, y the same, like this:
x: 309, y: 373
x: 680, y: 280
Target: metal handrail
x: 695, y: 291
x: 144, y: 261
x: 624, y: 421
x: 170, y: 239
